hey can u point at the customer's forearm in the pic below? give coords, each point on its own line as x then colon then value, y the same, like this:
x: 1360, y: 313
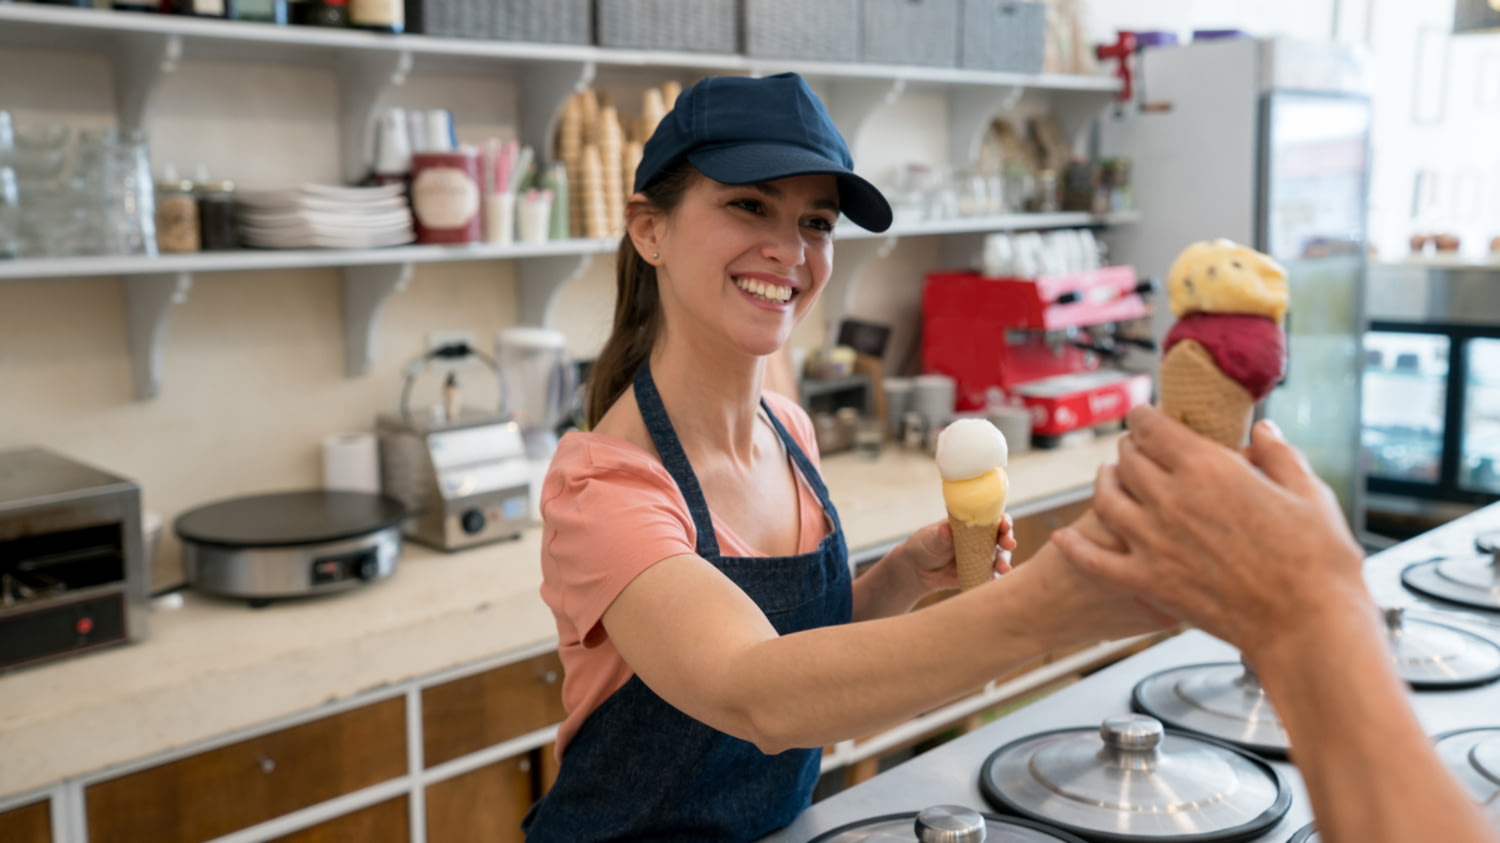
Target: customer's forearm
x: 1369, y: 767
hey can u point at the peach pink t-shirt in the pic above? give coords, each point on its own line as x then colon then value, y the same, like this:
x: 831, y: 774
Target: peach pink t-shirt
x: 610, y: 510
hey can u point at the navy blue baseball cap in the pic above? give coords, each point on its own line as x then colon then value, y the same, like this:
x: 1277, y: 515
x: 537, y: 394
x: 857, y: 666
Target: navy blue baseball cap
x: 744, y: 130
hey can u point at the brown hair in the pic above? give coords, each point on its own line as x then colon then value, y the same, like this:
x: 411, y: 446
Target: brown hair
x: 637, y: 305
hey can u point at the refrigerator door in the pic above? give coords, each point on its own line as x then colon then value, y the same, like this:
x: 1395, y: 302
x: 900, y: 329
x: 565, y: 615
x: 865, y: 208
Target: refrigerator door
x: 1314, y: 175
x: 1479, y: 458
x: 1405, y: 405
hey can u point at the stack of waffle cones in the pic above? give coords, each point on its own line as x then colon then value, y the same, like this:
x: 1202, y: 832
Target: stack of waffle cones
x: 601, y: 156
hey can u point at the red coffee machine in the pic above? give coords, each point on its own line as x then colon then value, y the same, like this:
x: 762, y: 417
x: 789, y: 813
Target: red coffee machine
x: 1049, y: 342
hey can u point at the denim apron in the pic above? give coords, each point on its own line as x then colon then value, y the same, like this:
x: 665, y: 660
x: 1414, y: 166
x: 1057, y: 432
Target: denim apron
x: 639, y: 769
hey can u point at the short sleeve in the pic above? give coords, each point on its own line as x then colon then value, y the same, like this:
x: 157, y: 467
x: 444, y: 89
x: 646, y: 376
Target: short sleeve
x: 609, y: 512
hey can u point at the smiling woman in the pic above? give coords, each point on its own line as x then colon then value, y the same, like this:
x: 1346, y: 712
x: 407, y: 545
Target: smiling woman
x: 711, y: 637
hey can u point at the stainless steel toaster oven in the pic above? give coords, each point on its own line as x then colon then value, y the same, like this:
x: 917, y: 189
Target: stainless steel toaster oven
x: 73, y: 572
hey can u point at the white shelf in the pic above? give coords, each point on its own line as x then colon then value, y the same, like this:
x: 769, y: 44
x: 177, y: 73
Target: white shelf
x: 63, y: 27
x: 272, y: 259
x: 258, y: 260
x: 1003, y: 222
x: 1457, y: 261
x: 146, y: 49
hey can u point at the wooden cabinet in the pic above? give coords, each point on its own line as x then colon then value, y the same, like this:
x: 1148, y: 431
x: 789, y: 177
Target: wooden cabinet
x: 469, y: 714
x: 383, y: 822
x: 223, y: 790
x: 213, y: 793
x: 482, y: 806
x: 27, y: 824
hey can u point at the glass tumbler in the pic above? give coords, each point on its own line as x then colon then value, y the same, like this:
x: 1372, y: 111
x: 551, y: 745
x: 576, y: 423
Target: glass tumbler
x: 133, y: 224
x: 10, y: 215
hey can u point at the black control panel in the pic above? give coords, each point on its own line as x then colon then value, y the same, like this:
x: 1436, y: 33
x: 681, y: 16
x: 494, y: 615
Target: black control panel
x: 356, y: 565
x: 58, y: 628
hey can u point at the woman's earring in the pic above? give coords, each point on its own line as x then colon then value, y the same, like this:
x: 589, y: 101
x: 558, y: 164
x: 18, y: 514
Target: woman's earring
x: 656, y: 256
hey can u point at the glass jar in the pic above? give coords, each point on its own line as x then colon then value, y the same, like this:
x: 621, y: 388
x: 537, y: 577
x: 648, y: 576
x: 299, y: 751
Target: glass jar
x: 847, y: 420
x: 7, y: 139
x: 1114, y: 175
x: 10, y: 215
x: 262, y: 11
x: 216, y: 231
x: 177, y: 217
x: 1047, y: 193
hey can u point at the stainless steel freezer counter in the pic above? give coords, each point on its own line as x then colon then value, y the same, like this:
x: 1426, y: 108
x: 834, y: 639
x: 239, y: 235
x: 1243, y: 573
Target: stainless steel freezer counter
x: 950, y: 774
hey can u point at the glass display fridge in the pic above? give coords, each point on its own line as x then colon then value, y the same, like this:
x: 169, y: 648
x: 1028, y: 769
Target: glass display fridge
x: 1431, y: 410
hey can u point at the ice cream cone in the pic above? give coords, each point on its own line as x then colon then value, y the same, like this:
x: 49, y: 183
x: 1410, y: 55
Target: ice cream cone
x: 974, y: 545
x: 1195, y: 392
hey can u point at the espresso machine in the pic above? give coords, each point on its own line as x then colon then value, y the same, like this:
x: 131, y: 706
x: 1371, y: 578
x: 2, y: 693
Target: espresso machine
x: 1052, y: 343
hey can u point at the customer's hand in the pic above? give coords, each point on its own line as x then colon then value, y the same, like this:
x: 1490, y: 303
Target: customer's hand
x: 934, y: 560
x: 1241, y: 553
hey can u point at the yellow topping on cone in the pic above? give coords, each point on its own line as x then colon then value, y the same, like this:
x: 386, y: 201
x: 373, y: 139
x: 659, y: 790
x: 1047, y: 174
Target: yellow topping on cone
x: 977, y: 500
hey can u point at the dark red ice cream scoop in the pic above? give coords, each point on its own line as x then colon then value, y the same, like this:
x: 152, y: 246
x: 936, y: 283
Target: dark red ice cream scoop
x: 1251, y: 350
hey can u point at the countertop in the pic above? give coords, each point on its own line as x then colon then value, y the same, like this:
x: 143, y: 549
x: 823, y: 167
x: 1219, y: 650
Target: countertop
x: 949, y: 774
x: 213, y: 667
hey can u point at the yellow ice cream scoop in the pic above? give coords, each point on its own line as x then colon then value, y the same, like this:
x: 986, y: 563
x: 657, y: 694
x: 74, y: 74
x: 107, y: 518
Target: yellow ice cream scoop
x: 977, y: 500
x: 1221, y: 276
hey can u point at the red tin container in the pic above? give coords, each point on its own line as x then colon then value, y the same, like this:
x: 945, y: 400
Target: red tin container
x: 446, y: 196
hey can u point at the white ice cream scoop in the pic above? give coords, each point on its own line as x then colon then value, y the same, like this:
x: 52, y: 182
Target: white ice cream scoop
x: 970, y: 447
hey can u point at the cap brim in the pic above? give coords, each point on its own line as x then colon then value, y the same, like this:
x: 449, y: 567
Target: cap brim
x: 750, y: 163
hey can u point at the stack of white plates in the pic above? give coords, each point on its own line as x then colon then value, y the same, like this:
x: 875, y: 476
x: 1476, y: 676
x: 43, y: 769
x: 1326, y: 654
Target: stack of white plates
x: 326, y: 216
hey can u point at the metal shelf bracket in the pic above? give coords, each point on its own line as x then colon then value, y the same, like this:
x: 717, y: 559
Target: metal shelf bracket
x: 852, y: 102
x: 538, y: 282
x: 142, y: 61
x: 853, y: 257
x: 366, y: 79
x: 148, y: 302
x: 971, y: 109
x: 1077, y: 113
x: 366, y: 290
x: 543, y: 90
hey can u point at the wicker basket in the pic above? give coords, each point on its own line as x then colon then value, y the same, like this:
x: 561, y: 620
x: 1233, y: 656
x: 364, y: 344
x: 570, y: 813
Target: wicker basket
x: 475, y: 18
x: 910, y: 32
x: 700, y: 26
x: 440, y: 17
x: 1005, y: 35
x: 827, y: 30
x: 543, y: 21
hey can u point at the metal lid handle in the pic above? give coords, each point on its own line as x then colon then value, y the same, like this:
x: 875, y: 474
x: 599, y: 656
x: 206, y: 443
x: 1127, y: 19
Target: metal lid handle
x: 951, y: 824
x: 1132, y: 732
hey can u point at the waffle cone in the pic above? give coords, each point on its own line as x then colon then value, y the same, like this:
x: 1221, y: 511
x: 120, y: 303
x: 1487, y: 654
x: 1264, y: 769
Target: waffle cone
x: 974, y: 545
x: 1195, y: 392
